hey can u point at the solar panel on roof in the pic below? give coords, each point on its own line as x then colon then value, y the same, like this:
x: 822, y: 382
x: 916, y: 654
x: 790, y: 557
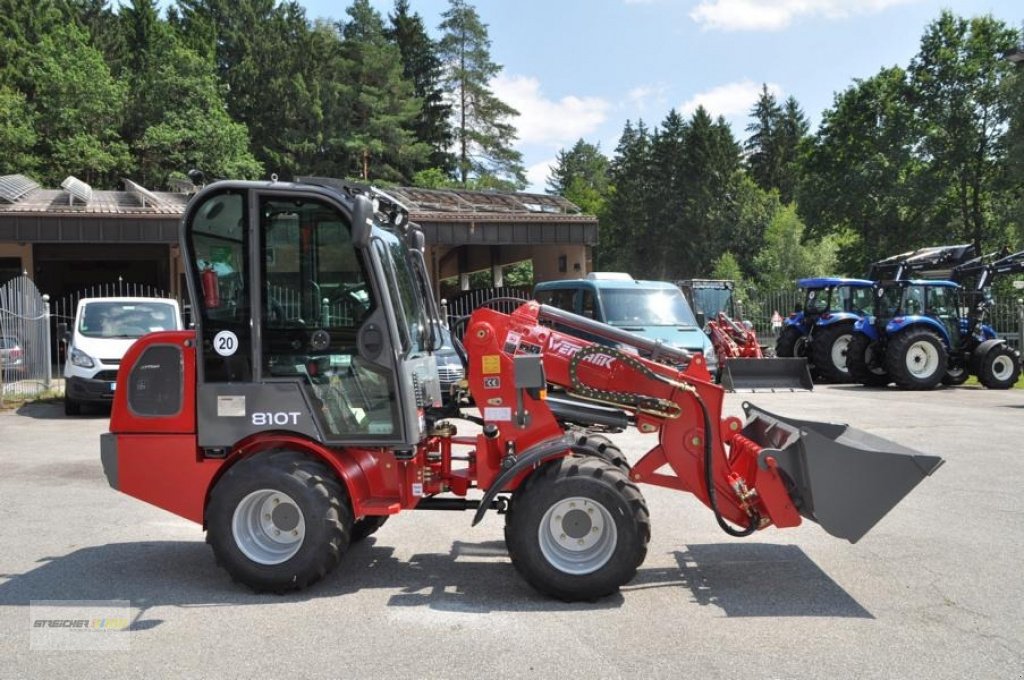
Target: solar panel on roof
x: 13, y: 187
x: 145, y: 196
x: 77, y: 189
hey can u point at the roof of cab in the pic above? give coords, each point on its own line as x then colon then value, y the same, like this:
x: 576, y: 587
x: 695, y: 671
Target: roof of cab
x: 830, y: 281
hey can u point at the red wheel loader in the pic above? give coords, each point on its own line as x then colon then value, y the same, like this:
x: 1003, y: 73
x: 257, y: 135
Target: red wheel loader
x: 304, y: 410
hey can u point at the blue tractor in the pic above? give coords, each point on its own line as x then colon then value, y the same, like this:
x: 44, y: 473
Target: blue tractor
x: 924, y: 332
x: 821, y: 329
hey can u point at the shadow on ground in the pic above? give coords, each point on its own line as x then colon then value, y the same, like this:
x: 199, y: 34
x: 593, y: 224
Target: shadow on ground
x: 54, y: 410
x: 743, y: 580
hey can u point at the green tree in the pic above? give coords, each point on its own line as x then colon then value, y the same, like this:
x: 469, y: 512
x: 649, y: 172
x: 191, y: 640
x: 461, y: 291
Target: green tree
x: 383, y: 109
x: 861, y: 174
x: 482, y: 130
x: 628, y: 212
x: 772, y: 148
x: 762, y: 146
x: 194, y: 130
x: 79, y: 106
x: 960, y: 79
x: 422, y: 67
x: 584, y: 163
x: 786, y: 256
x: 17, y: 134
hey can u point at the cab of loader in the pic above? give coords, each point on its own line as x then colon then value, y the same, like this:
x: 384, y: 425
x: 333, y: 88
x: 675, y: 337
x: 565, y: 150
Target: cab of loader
x: 312, y: 313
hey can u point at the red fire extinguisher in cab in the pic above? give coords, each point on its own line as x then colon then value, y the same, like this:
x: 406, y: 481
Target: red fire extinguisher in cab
x: 211, y: 288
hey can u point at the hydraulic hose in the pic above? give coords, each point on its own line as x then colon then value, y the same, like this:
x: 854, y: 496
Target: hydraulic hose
x: 709, y: 479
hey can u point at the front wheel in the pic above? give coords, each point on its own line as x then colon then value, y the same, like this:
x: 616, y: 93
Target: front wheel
x: 864, y: 364
x: 577, y: 529
x: 829, y: 352
x: 1000, y: 369
x: 278, y: 521
x: 917, y: 359
x: 792, y: 343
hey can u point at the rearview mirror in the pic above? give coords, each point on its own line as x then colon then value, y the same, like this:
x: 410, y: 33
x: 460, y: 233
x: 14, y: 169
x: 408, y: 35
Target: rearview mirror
x: 362, y: 220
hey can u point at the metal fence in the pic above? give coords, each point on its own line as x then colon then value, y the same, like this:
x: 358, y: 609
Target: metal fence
x: 463, y: 303
x: 25, y: 366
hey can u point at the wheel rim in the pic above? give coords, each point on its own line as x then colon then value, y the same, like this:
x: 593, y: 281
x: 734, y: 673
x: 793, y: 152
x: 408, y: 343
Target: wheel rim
x: 922, y: 359
x: 577, y: 535
x: 839, y: 351
x: 268, y: 526
x: 1002, y: 368
x: 800, y: 346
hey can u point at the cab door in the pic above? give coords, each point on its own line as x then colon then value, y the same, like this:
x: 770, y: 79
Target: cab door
x: 294, y: 324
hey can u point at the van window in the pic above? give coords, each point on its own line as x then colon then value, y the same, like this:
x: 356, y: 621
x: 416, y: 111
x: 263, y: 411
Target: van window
x: 126, y: 319
x: 563, y: 298
x: 639, y: 307
x: 588, y: 305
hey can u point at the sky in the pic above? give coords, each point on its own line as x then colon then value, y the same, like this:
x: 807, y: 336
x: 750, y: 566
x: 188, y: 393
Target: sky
x: 582, y: 68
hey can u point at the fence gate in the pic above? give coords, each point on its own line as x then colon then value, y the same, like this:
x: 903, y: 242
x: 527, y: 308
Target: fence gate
x: 25, y: 367
x: 63, y: 310
x: 463, y: 304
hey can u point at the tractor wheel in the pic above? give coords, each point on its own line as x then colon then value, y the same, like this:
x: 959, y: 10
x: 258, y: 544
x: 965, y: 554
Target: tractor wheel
x: 605, y: 449
x: 367, y: 526
x: 956, y: 375
x: 865, y: 367
x: 577, y: 529
x: 829, y: 352
x: 72, y: 407
x: 1000, y: 369
x: 792, y: 343
x: 278, y: 521
x: 917, y: 359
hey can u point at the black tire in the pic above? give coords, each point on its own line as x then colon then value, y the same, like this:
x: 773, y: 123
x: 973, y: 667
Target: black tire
x: 829, y: 352
x: 865, y: 368
x: 792, y: 343
x: 571, y: 573
x: 325, y: 518
x: 956, y: 375
x: 916, y: 359
x: 604, y: 448
x: 1000, y: 369
x: 72, y: 407
x: 367, y: 526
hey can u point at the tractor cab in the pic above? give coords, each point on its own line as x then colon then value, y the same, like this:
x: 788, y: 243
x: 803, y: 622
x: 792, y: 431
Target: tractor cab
x: 937, y: 303
x: 827, y: 297
x: 314, y: 314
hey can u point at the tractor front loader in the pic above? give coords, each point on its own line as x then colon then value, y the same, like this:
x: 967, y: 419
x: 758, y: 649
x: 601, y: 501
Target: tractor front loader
x: 743, y: 366
x: 303, y: 411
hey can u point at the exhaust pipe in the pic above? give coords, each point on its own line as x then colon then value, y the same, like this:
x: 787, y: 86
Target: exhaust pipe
x: 843, y: 478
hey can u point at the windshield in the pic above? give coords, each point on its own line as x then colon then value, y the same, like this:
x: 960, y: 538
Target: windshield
x: 639, y: 307
x: 817, y: 301
x: 411, y: 308
x: 711, y: 301
x: 126, y: 319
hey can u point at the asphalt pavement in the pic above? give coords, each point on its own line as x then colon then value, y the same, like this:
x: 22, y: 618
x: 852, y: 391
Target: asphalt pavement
x: 934, y: 591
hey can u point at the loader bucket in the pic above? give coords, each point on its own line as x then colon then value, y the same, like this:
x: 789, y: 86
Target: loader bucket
x: 843, y: 478
x: 766, y: 375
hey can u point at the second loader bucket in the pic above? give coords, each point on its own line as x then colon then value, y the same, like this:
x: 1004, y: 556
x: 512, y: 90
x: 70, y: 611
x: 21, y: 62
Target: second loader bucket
x: 766, y: 375
x: 843, y: 478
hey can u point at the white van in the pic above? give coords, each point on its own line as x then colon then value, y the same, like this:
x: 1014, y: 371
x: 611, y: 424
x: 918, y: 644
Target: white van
x: 104, y: 330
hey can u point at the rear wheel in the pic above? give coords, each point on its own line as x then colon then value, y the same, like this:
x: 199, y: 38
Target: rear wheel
x: 278, y: 521
x: 1000, y: 369
x: 577, y: 529
x: 917, y: 359
x: 864, y: 364
x: 792, y: 343
x: 829, y: 352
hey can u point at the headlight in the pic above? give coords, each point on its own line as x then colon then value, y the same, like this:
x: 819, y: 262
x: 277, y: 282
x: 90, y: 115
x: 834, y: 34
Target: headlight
x: 81, y: 359
x: 711, y: 359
